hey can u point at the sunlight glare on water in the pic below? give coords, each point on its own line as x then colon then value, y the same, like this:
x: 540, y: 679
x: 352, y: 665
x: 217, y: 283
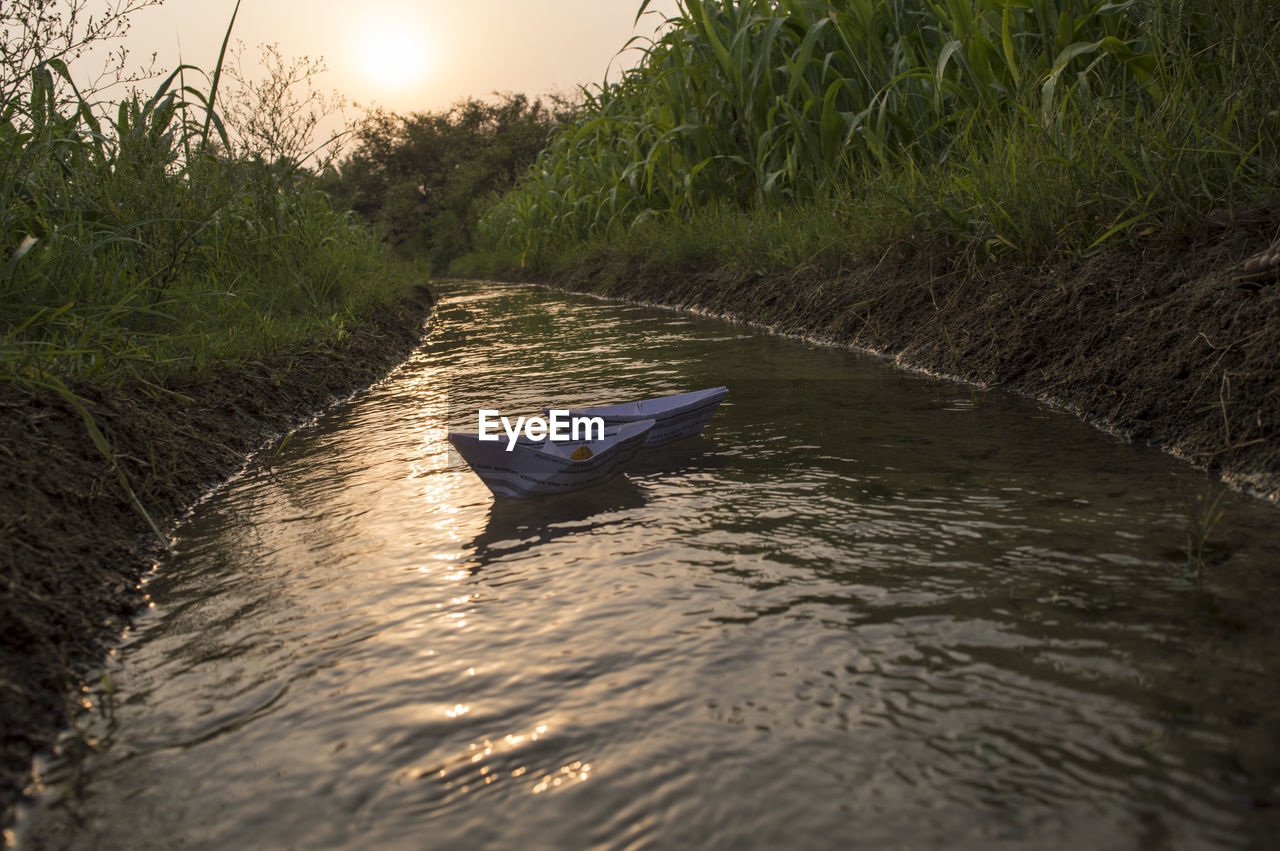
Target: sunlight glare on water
x: 863, y: 608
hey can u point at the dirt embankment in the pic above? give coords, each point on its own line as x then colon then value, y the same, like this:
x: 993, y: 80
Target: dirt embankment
x: 73, y: 549
x: 1166, y: 346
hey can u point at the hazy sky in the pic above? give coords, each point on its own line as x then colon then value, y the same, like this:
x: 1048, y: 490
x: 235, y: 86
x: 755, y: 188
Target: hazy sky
x: 409, y: 55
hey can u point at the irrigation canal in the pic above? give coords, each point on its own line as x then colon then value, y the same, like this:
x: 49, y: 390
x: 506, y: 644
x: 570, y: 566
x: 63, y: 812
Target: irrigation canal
x: 866, y: 608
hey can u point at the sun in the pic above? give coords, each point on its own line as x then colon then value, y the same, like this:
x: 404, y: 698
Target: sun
x: 395, y: 58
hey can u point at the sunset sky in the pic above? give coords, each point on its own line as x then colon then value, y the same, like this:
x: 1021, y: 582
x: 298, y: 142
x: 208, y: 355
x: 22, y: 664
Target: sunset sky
x: 408, y: 55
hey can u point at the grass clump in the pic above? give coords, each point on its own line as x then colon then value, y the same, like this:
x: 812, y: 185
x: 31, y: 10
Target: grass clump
x: 136, y: 248
x: 976, y: 129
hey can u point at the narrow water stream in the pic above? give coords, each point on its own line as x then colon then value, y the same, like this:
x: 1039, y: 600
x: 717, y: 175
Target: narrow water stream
x: 864, y: 609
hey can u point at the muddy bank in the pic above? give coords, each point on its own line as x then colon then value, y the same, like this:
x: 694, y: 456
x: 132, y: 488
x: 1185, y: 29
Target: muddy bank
x: 1164, y: 345
x: 72, y: 548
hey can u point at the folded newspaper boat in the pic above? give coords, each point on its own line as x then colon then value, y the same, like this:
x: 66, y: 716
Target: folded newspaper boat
x: 675, y: 417
x: 535, y: 467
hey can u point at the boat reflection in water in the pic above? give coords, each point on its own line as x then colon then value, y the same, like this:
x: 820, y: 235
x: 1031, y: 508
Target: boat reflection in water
x: 515, y: 527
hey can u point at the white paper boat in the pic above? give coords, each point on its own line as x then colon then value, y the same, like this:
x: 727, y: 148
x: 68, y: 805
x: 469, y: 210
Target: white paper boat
x: 675, y: 417
x: 535, y: 467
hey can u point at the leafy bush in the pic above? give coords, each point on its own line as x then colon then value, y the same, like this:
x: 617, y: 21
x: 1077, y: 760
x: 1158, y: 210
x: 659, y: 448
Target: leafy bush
x: 424, y: 179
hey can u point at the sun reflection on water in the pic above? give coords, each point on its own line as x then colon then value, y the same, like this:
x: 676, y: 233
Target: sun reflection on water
x: 574, y: 771
x: 479, y: 764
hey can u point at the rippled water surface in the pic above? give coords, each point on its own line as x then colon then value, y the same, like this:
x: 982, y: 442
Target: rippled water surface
x: 865, y: 608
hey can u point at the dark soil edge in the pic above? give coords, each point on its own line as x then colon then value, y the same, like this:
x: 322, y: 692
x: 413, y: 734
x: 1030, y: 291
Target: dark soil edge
x: 73, y: 550
x: 1166, y: 346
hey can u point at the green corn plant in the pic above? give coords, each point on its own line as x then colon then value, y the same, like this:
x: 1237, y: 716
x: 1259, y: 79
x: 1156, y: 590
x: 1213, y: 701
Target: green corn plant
x: 763, y: 102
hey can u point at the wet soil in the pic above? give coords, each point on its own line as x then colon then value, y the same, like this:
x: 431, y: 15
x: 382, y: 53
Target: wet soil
x: 73, y: 549
x: 1169, y: 343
